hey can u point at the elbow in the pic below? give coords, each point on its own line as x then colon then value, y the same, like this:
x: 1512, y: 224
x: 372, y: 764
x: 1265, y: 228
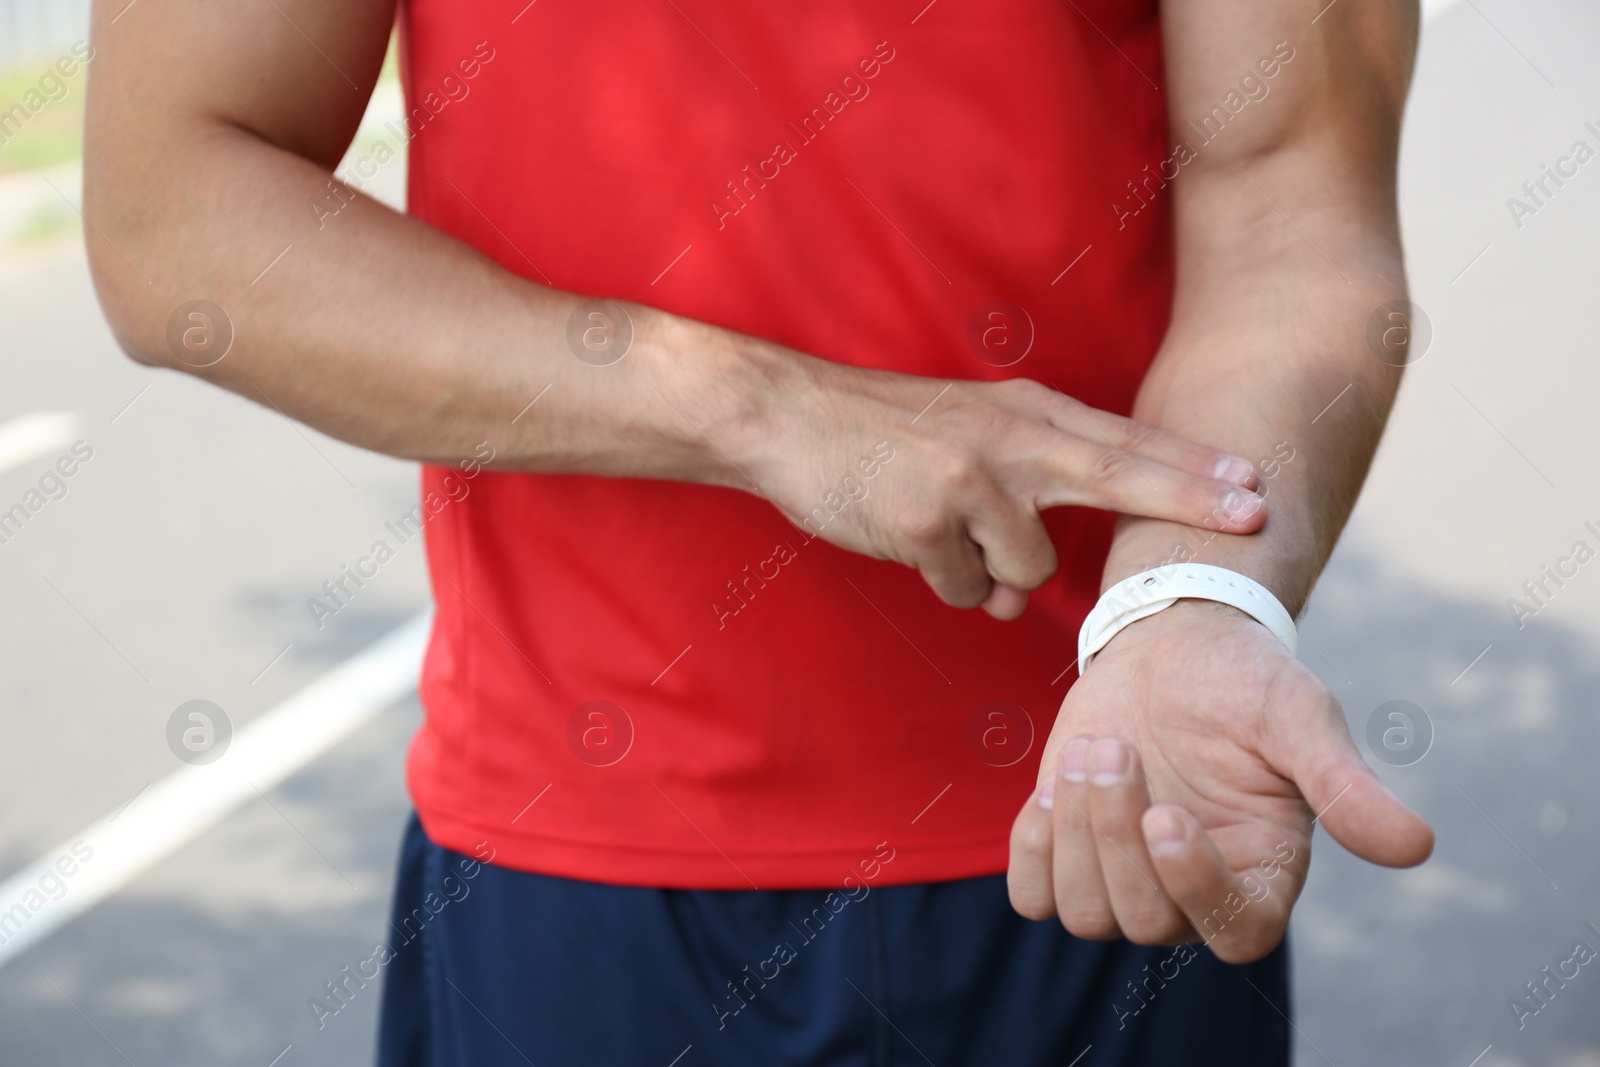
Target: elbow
x: 153, y: 327
x: 130, y: 340
x: 140, y: 243
x: 127, y: 301
x: 125, y: 255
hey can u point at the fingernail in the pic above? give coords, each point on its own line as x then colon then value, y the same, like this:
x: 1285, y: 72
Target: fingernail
x: 1073, y: 758
x: 1240, y: 505
x: 1108, y: 759
x: 1165, y: 832
x: 1047, y: 794
x: 1233, y: 469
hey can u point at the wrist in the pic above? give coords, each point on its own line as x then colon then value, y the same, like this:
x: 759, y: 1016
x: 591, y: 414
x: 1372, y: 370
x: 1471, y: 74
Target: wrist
x: 1283, y: 556
x: 1186, y: 613
x: 788, y: 416
x: 772, y: 399
x: 719, y: 392
x: 1161, y: 591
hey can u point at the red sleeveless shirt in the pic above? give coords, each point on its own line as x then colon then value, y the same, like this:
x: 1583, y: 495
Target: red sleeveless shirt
x: 655, y: 683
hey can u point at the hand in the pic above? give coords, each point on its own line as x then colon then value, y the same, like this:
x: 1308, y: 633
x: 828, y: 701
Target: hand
x: 1178, y: 788
x: 970, y: 466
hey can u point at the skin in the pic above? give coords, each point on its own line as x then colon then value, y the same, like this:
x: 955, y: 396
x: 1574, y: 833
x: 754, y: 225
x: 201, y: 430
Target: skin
x: 211, y: 125
x: 1203, y: 748
x: 360, y: 332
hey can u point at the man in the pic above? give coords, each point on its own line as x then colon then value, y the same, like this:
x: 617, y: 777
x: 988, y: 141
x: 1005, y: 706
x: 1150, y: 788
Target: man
x: 726, y: 788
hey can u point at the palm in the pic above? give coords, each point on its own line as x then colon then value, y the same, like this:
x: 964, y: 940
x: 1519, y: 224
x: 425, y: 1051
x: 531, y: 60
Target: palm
x: 1196, y: 700
x: 1178, y: 784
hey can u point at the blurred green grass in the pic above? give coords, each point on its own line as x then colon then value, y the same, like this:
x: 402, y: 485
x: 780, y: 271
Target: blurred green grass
x: 52, y: 136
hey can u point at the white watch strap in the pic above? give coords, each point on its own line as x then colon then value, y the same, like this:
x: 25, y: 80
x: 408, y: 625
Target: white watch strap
x: 1151, y: 591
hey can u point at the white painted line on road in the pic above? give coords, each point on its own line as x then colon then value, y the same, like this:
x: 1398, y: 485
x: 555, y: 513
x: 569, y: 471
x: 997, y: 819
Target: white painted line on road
x: 192, y: 799
x: 27, y: 438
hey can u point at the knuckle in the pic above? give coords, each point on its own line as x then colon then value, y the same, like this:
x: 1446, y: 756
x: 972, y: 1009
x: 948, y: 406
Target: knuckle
x: 1022, y: 389
x: 993, y: 418
x: 1107, y: 466
x: 1153, y: 926
x: 1090, y: 923
x: 921, y: 526
x: 1138, y: 435
x: 1030, y: 901
x: 1037, y: 570
x: 960, y: 469
x: 1027, y: 565
x: 969, y: 596
x: 1246, y: 948
x: 1031, y: 836
x: 960, y: 584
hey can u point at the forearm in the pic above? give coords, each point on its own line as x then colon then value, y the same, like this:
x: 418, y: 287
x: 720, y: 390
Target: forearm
x: 386, y: 333
x: 1267, y: 357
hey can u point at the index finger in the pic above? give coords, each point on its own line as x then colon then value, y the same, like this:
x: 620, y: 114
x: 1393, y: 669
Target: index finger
x: 1151, y: 442
x: 1086, y: 472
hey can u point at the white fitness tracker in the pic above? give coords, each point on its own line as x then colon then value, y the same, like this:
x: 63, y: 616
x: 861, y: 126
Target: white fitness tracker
x: 1151, y: 591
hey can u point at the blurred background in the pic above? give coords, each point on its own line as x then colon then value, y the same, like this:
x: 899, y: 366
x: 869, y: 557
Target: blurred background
x: 157, y: 909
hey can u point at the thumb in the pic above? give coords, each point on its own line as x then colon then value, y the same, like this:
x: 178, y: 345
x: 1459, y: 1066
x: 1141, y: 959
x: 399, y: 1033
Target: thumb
x: 1318, y: 754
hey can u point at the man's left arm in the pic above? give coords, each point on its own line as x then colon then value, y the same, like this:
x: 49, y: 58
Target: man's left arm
x: 1288, y: 243
x: 1178, y: 789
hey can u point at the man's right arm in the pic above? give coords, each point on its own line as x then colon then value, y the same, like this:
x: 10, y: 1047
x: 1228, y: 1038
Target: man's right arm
x: 212, y: 125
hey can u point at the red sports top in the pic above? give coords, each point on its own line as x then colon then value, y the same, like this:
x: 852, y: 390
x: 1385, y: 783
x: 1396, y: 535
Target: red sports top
x: 655, y: 683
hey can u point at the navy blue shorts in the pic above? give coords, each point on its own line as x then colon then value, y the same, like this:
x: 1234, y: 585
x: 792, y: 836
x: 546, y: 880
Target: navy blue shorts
x: 489, y: 967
